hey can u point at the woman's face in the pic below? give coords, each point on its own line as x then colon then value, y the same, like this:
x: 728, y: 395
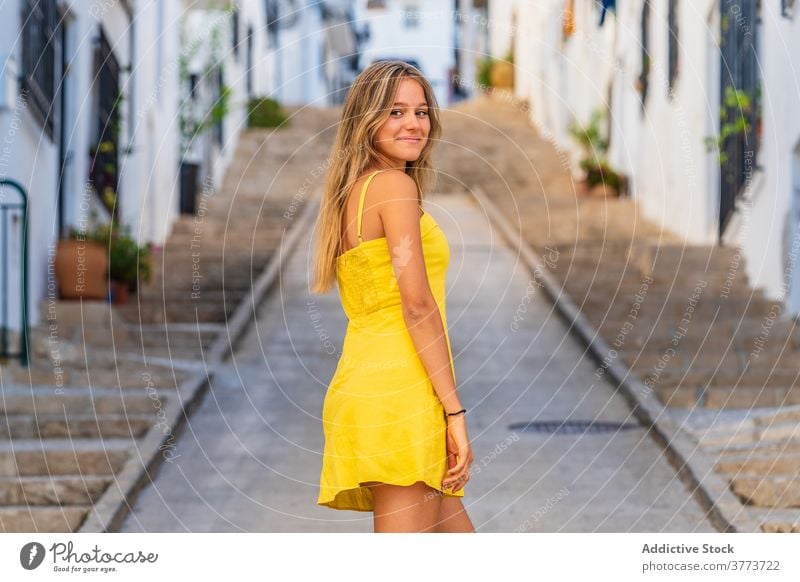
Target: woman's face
x: 404, y: 134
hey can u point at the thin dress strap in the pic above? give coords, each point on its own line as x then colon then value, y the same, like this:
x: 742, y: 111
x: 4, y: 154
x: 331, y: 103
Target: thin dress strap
x: 361, y: 201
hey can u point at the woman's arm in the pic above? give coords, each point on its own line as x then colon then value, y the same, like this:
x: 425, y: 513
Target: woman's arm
x: 396, y: 195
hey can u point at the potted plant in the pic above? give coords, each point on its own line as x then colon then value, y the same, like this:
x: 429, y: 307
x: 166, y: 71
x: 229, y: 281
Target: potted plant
x: 483, y: 75
x: 265, y: 112
x: 502, y: 72
x: 735, y: 114
x: 128, y: 263
x: 81, y: 267
x: 599, y: 176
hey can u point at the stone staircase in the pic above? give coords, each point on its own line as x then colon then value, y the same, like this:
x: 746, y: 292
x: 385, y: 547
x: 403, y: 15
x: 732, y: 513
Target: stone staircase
x: 78, y: 415
x: 683, y: 318
x: 61, y: 444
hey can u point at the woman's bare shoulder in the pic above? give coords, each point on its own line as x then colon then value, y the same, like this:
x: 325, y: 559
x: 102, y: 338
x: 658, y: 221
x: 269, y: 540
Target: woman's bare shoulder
x: 394, y: 187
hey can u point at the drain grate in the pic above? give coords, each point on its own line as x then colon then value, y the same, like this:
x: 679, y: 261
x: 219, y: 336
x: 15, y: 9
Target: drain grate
x: 570, y: 426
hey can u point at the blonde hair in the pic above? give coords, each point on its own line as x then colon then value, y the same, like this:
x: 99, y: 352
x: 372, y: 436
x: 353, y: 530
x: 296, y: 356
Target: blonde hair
x: 368, y: 105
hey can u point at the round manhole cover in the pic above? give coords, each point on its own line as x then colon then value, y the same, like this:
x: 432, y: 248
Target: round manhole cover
x: 570, y: 426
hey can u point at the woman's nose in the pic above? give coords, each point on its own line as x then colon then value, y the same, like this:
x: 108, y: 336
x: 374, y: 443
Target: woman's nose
x: 412, y: 120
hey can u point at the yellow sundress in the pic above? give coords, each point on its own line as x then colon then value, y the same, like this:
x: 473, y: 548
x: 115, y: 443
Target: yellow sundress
x: 381, y: 417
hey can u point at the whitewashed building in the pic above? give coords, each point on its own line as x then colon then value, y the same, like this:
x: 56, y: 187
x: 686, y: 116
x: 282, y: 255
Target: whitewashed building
x: 91, y: 98
x: 665, y: 73
x: 422, y: 32
x: 317, y: 48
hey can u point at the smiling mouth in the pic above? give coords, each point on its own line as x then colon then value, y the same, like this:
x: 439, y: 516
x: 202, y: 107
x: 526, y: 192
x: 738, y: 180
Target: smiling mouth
x: 410, y: 139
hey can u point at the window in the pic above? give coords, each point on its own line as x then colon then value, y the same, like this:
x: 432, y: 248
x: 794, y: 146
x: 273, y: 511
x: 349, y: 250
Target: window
x: 220, y: 87
x: 39, y: 41
x: 235, y: 31
x: 740, y: 98
x: 411, y: 17
x: 249, y: 61
x: 105, y: 151
x: 644, y: 75
x: 672, y: 23
x: 271, y: 13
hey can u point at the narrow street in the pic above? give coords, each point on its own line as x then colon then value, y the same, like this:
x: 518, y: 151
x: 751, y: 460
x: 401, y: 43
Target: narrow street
x: 250, y: 455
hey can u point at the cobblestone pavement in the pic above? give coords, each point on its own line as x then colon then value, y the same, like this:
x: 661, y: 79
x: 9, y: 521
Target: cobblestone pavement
x: 250, y: 456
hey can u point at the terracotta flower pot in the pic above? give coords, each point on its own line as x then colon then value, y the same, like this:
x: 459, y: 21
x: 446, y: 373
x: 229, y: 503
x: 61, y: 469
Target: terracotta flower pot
x: 502, y: 75
x: 81, y: 269
x: 120, y: 292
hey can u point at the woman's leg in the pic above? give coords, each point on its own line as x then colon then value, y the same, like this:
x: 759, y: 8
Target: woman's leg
x: 453, y: 517
x: 411, y: 508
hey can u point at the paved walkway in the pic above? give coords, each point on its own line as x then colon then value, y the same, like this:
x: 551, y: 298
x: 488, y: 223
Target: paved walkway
x: 250, y: 456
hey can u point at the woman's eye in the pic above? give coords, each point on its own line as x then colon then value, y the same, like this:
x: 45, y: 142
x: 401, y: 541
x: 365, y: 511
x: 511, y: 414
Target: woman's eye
x: 424, y: 113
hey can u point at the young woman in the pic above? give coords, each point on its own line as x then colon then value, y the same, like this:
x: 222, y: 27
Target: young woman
x: 395, y: 431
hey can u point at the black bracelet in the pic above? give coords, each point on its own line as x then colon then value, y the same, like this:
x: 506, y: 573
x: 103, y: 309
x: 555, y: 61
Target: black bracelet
x: 464, y: 410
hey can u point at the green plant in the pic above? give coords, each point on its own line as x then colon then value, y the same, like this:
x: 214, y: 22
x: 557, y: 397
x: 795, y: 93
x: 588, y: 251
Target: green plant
x: 590, y: 137
x: 194, y: 116
x: 736, y: 104
x: 265, y: 112
x: 602, y: 173
x: 127, y: 261
x: 594, y: 143
x: 484, y: 73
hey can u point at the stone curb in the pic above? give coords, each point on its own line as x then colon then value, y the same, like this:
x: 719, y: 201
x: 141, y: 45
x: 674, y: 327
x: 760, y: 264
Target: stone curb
x: 111, y: 509
x: 693, y: 466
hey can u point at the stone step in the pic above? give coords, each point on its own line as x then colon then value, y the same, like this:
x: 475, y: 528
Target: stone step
x: 588, y: 275
x: 740, y: 397
x: 632, y: 295
x: 651, y: 357
x: 776, y: 520
x: 674, y: 310
x: 754, y: 429
x: 741, y: 450
x: 126, y: 375
x: 613, y: 267
x: 25, y: 519
x: 637, y: 251
x: 52, y: 490
x: 214, y: 225
x: 31, y: 457
x: 238, y: 269
x: 761, y: 465
x: 184, y: 342
x: 777, y: 379
x: 47, y: 400
x: 768, y: 491
x: 188, y: 336
x: 240, y: 240
x: 196, y: 311
x: 744, y: 335
x: 649, y: 336
x: 48, y: 426
x: 204, y: 293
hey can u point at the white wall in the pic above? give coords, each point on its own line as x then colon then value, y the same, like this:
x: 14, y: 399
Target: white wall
x: 431, y: 43
x: 673, y: 178
x: 767, y: 222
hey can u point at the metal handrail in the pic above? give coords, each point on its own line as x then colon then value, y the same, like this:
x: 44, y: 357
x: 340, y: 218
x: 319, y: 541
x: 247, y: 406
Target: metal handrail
x: 22, y: 353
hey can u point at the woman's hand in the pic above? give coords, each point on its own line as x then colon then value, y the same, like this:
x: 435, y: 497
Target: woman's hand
x: 459, y: 453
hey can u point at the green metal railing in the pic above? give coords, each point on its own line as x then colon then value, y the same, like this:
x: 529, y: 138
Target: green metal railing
x: 5, y: 209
